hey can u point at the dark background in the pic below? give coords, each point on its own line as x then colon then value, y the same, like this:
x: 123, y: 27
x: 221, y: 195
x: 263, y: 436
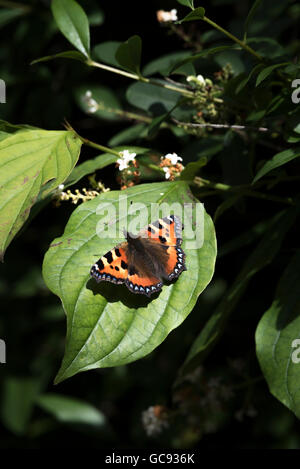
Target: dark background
x: 32, y: 321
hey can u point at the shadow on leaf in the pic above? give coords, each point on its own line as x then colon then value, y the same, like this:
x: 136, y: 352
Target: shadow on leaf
x: 113, y: 293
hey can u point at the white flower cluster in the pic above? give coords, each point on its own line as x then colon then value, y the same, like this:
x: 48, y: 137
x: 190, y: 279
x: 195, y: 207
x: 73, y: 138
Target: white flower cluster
x: 151, y: 423
x: 166, y: 16
x: 126, y: 157
x: 171, y: 159
x: 91, y: 103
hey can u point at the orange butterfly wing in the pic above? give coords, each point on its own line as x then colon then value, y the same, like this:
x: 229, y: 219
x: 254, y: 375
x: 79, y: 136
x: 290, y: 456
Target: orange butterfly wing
x: 113, y: 266
x: 167, y: 231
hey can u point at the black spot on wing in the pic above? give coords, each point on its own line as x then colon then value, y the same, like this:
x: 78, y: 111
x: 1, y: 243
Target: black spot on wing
x: 162, y: 239
x: 117, y: 252
x: 109, y: 257
x: 133, y: 271
x: 100, y: 264
x: 124, y: 265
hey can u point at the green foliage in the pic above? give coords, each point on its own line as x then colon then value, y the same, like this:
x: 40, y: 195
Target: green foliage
x: 218, y: 88
x: 73, y: 23
x: 196, y: 14
x: 30, y: 158
x: 129, y: 54
x: 127, y: 327
x: 275, y: 336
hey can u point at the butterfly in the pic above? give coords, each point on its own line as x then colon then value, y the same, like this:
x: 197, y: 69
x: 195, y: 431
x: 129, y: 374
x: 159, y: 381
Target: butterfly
x: 143, y: 261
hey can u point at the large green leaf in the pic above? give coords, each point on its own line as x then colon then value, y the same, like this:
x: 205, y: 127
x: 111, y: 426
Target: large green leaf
x: 73, y: 23
x: 261, y: 256
x: 278, y: 338
x: 30, y: 158
x: 107, y: 325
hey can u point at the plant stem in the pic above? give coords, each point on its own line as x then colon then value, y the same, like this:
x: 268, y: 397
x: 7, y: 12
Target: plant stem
x: 242, y: 189
x: 134, y: 76
x: 220, y: 126
x: 234, y: 38
x: 99, y: 147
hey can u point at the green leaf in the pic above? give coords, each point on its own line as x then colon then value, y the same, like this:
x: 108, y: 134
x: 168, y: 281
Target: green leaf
x: 106, y: 52
x: 261, y: 256
x: 107, y: 325
x: 129, y: 54
x: 250, y: 15
x: 73, y: 23
x: 227, y: 204
x: 30, y: 158
x: 156, y: 100
x: 157, y: 121
x: 187, y: 3
x: 69, y: 54
x: 275, y: 336
x: 204, y: 53
x: 69, y: 410
x: 233, y: 58
x: 267, y: 71
x: 130, y: 134
x: 192, y: 169
x: 278, y: 160
x: 17, y: 403
x: 165, y: 64
x: 196, y: 14
x: 99, y: 162
x: 244, y: 82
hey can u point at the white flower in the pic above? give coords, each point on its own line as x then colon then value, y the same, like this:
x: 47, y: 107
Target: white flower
x: 168, y: 173
x: 61, y: 187
x: 126, y: 157
x: 201, y: 80
x: 90, y: 102
x: 167, y: 16
x: 173, y: 157
x: 93, y: 107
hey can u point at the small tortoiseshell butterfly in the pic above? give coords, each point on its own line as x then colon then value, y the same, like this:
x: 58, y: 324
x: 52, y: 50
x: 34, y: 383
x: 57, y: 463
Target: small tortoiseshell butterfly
x: 144, y: 260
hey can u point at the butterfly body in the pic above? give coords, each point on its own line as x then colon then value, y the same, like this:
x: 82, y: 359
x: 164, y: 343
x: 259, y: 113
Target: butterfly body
x: 145, y: 260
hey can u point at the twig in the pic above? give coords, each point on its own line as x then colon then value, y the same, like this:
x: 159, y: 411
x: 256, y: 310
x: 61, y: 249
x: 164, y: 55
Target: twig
x: 220, y: 126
